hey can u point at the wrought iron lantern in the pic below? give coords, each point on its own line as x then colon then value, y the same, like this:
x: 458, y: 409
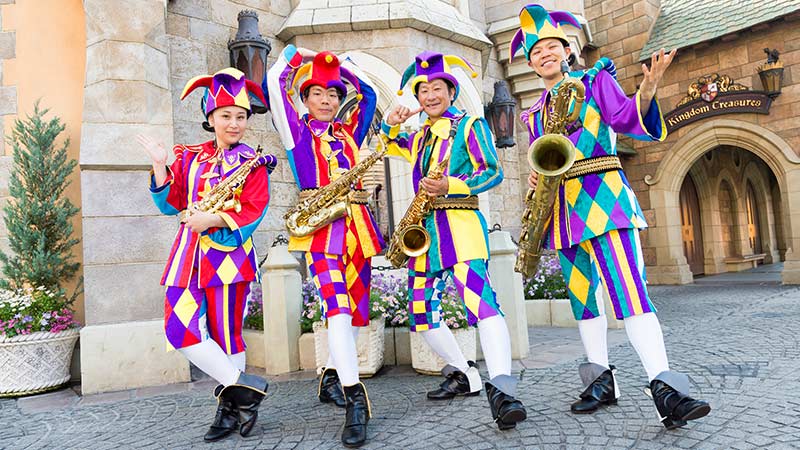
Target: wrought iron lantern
x: 248, y: 53
x: 771, y: 73
x: 500, y: 115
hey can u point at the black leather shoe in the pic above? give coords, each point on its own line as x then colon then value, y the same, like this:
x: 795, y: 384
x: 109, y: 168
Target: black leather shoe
x: 455, y: 383
x: 357, y: 415
x: 226, y: 421
x: 601, y: 391
x: 330, y: 389
x: 676, y: 408
x: 506, y: 410
x: 246, y: 396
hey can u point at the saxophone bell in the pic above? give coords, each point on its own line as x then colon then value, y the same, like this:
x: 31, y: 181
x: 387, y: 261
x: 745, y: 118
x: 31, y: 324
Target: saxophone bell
x: 415, y: 241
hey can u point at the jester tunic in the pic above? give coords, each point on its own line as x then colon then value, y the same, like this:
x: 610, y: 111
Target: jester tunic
x: 319, y: 152
x: 591, y: 205
x: 457, y: 235
x: 218, y: 255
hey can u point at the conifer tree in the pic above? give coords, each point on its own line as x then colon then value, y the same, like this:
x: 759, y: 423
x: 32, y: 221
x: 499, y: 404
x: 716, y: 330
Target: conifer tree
x: 38, y: 214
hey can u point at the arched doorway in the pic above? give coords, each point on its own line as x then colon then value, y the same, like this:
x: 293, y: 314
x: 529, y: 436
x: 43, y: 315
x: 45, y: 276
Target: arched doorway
x: 766, y: 160
x: 691, y: 229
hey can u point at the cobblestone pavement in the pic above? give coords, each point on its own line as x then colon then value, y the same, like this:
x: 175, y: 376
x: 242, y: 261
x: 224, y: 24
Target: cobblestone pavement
x: 739, y: 345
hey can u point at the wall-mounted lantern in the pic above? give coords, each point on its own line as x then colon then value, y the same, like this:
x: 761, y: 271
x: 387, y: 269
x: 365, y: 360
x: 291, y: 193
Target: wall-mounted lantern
x: 500, y: 115
x: 248, y: 52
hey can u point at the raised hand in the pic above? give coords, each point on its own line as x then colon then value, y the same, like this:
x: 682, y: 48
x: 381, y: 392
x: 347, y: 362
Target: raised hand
x: 652, y: 76
x: 154, y: 149
x: 400, y: 114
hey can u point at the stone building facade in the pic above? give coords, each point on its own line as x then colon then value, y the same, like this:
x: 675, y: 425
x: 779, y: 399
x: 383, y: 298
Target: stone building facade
x: 128, y: 61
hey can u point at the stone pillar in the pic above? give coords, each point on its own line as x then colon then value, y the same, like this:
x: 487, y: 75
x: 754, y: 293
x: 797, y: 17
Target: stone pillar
x: 791, y: 266
x: 665, y: 236
x: 510, y: 293
x: 125, y: 239
x: 283, y: 304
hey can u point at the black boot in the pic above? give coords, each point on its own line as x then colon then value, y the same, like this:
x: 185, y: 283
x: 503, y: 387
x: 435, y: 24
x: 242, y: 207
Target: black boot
x: 506, y: 410
x: 246, y: 396
x: 330, y: 389
x: 674, y: 407
x: 357, y: 415
x: 457, y: 382
x: 601, y: 391
x: 226, y: 420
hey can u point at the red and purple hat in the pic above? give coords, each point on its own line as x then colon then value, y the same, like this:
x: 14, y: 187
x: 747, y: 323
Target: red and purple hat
x: 228, y: 87
x: 429, y: 66
x: 326, y: 71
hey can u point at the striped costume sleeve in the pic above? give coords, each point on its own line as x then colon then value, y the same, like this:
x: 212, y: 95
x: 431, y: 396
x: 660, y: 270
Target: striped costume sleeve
x: 284, y: 114
x: 397, y: 142
x: 171, y: 197
x: 359, y: 120
x: 242, y: 224
x: 623, y: 114
x: 486, y: 172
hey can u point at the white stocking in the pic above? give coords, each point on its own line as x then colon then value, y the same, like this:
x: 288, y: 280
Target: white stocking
x: 593, y: 335
x: 342, y: 348
x: 209, y: 357
x: 644, y: 332
x: 496, y: 345
x: 239, y: 360
x: 444, y: 344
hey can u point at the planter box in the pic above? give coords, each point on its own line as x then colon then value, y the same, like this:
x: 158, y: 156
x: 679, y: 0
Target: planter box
x: 370, y: 347
x: 558, y: 313
x: 425, y: 361
x: 36, y: 362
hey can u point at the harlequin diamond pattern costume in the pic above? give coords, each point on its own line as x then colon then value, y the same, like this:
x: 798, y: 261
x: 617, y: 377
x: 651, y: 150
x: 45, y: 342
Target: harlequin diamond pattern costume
x: 459, y: 241
x: 208, y: 274
x: 339, y: 254
x: 594, y: 228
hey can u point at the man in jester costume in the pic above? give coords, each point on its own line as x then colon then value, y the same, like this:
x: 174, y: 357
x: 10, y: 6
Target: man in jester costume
x: 596, y: 217
x: 320, y: 148
x: 213, y: 261
x: 459, y: 239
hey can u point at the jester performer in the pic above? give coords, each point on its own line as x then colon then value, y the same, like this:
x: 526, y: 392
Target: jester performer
x: 321, y: 148
x: 459, y: 245
x: 213, y: 260
x: 596, y: 217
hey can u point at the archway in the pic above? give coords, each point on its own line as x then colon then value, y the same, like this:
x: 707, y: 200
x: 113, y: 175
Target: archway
x: 665, y: 233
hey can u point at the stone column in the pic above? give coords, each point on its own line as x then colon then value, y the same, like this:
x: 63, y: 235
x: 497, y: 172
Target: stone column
x: 283, y: 304
x: 125, y: 239
x: 510, y: 293
x: 791, y: 266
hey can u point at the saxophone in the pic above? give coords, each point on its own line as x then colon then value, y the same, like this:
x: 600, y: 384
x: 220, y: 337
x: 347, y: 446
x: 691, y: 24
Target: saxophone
x: 551, y: 155
x: 410, y: 238
x: 225, y: 194
x: 330, y: 202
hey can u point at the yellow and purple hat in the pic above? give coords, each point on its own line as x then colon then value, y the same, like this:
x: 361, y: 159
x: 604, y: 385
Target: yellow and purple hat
x: 228, y: 87
x: 536, y: 23
x: 429, y: 66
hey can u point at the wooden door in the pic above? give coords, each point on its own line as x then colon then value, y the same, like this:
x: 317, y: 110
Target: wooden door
x: 753, y: 231
x: 691, y: 231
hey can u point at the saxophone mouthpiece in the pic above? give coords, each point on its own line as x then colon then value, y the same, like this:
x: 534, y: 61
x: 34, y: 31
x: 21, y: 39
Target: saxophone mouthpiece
x: 564, y: 67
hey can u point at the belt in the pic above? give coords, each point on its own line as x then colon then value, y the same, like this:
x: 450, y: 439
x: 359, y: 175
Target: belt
x: 470, y: 202
x: 357, y: 196
x: 597, y: 164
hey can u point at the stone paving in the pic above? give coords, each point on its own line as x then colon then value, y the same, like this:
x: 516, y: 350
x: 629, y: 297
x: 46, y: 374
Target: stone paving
x: 739, y: 345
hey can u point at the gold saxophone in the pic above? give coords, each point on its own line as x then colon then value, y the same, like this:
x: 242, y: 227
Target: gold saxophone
x: 550, y: 155
x: 410, y: 238
x: 225, y: 194
x: 329, y: 202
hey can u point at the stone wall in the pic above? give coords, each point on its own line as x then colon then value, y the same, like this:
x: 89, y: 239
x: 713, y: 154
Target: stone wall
x: 621, y: 29
x: 8, y: 110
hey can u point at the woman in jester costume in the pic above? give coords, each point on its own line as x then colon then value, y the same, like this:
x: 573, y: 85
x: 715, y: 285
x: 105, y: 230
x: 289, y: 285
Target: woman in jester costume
x: 459, y: 239
x: 320, y: 148
x: 213, y: 261
x: 596, y: 217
